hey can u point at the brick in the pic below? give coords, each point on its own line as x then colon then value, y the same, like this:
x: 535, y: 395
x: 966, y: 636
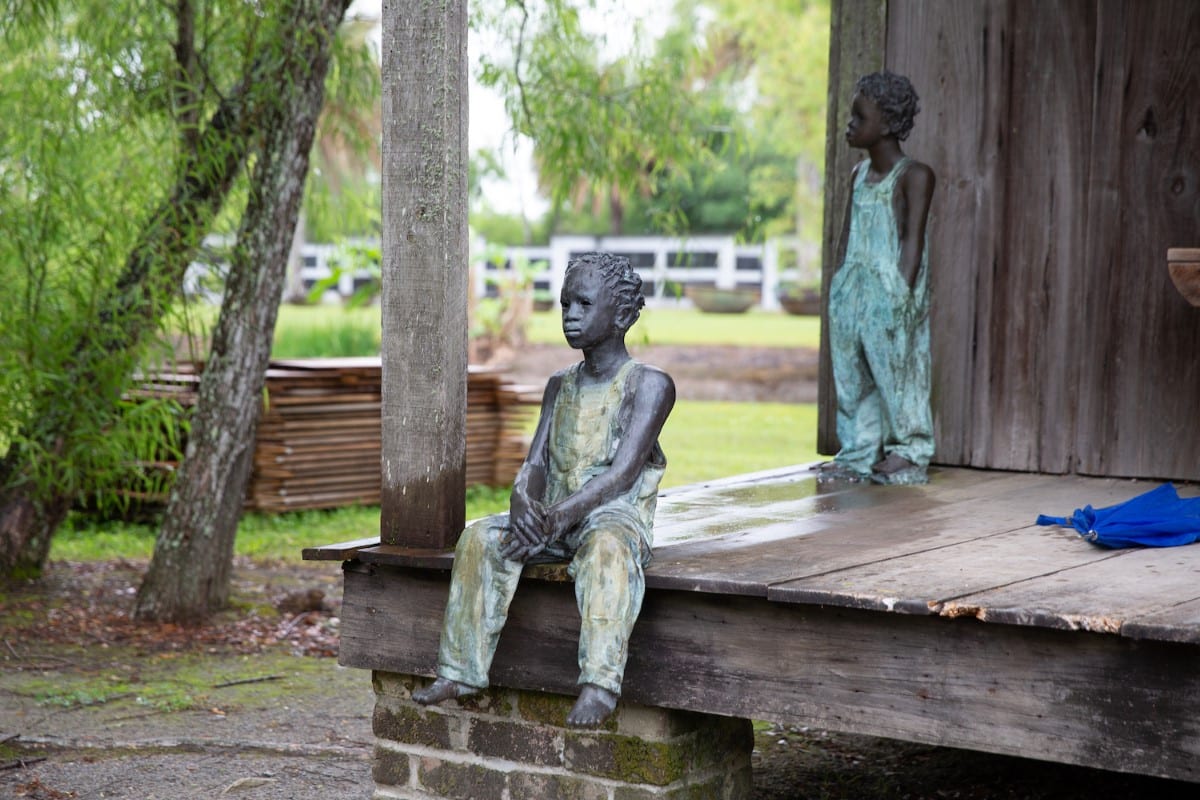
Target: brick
x: 515, y: 741
x: 406, y: 724
x: 547, y: 709
x: 492, y: 700
x: 627, y: 758
x: 392, y: 684
x: 389, y: 767
x: 460, y: 781
x: 531, y: 786
x: 737, y: 785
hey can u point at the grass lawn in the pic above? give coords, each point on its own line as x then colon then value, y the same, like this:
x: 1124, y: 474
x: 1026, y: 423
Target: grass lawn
x: 679, y: 326
x: 333, y: 330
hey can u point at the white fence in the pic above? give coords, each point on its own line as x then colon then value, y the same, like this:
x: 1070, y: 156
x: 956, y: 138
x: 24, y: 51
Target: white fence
x: 667, y: 265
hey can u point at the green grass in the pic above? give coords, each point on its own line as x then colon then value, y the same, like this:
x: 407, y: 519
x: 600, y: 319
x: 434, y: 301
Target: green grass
x: 663, y: 326
x: 326, y: 331
x: 702, y: 441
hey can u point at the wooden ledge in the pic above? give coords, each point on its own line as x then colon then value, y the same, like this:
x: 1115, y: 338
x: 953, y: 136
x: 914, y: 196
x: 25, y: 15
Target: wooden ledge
x: 341, y: 551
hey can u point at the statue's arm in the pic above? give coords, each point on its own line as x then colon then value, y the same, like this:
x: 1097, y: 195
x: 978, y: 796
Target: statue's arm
x: 916, y: 187
x: 527, y: 514
x: 839, y: 255
x: 652, y: 403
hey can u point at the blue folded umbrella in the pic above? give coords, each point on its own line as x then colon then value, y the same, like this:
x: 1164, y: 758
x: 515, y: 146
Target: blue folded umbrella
x: 1157, y: 518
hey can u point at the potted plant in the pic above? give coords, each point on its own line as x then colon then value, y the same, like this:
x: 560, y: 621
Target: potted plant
x: 797, y: 299
x: 713, y: 300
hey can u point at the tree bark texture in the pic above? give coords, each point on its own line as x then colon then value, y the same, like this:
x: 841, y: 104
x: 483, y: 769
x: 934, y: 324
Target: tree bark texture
x: 424, y: 271
x: 189, y: 574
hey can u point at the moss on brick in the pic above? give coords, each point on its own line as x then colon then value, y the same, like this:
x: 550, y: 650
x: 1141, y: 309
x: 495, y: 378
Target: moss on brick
x: 490, y: 701
x: 549, y: 709
x: 390, y: 768
x: 627, y: 758
x: 406, y: 724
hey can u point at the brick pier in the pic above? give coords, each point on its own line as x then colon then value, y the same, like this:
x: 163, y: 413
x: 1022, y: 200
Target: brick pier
x: 507, y: 744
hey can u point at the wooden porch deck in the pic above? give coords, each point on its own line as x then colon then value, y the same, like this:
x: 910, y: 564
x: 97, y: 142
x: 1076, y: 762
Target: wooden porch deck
x: 939, y: 614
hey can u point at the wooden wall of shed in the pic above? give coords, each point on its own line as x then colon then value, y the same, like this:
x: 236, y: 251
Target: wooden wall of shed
x: 1066, y: 140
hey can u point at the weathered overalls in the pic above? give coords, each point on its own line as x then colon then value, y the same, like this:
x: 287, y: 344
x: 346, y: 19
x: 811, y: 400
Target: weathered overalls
x: 607, y: 550
x: 879, y: 339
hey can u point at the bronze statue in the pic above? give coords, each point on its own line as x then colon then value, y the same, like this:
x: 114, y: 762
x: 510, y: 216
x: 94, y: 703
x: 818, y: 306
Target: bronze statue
x: 585, y: 494
x: 879, y: 297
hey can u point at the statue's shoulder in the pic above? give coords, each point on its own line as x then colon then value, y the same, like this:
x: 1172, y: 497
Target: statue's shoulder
x: 651, y: 378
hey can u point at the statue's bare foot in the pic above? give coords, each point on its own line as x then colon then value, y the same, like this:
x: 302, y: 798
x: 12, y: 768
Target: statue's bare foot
x: 891, y: 464
x: 442, y: 689
x: 592, y: 708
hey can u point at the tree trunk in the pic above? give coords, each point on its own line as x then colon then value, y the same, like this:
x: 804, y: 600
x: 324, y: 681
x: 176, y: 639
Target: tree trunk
x: 189, y: 574
x: 424, y: 272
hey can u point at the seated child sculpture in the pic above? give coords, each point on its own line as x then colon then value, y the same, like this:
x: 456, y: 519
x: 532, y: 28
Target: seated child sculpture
x: 879, y: 297
x: 585, y: 494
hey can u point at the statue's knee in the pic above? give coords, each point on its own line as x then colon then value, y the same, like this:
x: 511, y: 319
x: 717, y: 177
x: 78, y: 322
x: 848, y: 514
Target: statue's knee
x: 475, y: 540
x: 609, y: 546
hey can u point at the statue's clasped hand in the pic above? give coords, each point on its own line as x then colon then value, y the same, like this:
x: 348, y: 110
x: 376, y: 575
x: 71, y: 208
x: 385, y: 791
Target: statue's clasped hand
x: 528, y: 532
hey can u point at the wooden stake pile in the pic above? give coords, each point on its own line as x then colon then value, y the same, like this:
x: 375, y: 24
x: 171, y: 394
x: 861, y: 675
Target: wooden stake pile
x: 318, y: 442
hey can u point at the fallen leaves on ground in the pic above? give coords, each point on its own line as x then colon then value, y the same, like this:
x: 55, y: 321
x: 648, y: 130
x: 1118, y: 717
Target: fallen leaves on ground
x: 90, y: 604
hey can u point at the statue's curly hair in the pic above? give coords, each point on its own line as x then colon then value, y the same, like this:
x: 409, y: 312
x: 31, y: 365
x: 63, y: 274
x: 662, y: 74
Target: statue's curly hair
x: 896, y: 98
x: 619, y: 276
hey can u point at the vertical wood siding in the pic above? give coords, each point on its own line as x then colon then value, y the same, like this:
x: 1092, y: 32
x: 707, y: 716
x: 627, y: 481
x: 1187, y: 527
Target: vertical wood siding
x: 1066, y: 139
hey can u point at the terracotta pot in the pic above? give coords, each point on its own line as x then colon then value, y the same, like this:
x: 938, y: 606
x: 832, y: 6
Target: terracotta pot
x: 722, y: 301
x: 1184, y: 266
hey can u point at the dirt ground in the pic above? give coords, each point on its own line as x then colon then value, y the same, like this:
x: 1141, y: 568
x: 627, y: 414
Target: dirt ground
x: 740, y: 374
x: 254, y: 705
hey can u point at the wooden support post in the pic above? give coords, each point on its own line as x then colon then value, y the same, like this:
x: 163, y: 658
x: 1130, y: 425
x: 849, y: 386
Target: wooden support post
x: 425, y: 270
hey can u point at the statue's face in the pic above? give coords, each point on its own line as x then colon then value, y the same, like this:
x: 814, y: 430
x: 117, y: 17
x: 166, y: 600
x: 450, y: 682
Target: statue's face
x: 867, y: 125
x: 589, y: 308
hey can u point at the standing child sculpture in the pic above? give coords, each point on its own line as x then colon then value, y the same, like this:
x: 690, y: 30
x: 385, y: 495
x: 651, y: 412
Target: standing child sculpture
x: 585, y: 494
x: 879, y: 297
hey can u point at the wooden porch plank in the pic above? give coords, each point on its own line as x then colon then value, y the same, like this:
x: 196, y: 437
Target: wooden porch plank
x: 1007, y: 548
x: 945, y: 580
x: 1176, y: 623
x: 1101, y: 596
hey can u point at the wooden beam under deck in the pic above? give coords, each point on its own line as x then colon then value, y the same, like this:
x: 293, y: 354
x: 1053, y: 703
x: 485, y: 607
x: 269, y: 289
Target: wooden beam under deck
x: 939, y: 614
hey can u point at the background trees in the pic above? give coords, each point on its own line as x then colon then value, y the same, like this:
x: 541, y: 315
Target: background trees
x: 118, y: 163
x: 714, y: 124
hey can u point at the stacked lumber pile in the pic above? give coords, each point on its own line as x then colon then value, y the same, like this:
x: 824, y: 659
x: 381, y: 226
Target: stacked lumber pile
x: 318, y: 442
